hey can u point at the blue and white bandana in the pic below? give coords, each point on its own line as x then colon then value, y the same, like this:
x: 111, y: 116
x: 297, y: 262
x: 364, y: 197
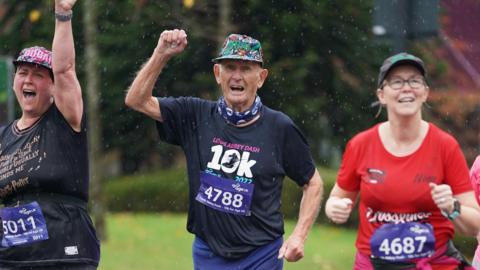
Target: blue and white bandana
x: 237, y: 118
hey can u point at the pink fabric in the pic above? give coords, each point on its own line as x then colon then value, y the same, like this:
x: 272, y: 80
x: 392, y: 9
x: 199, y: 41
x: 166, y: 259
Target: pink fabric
x: 362, y: 262
x: 475, y: 178
x: 437, y: 258
x: 477, y: 254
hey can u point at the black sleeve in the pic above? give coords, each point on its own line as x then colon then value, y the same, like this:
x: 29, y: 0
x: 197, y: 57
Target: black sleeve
x: 297, y: 160
x: 60, y: 120
x: 179, y: 116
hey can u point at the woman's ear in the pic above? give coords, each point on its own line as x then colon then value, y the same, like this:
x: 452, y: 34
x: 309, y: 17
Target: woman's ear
x: 380, y: 96
x: 427, y: 93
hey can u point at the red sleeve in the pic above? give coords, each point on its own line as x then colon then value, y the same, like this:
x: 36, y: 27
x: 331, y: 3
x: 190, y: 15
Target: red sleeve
x: 475, y: 178
x: 348, y: 177
x: 456, y: 169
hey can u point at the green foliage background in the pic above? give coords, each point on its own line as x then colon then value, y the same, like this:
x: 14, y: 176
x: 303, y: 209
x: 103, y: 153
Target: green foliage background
x: 320, y: 54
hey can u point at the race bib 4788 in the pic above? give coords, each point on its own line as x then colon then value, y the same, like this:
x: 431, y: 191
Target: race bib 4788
x: 225, y: 195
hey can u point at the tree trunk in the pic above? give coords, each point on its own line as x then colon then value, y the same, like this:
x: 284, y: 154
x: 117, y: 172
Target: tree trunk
x: 224, y: 20
x: 93, y: 116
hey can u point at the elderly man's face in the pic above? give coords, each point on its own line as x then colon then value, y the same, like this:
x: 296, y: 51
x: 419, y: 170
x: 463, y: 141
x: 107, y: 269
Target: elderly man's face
x: 239, y: 81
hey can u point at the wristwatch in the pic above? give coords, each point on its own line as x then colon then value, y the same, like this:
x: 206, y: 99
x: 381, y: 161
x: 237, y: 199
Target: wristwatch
x: 63, y: 17
x: 456, y: 210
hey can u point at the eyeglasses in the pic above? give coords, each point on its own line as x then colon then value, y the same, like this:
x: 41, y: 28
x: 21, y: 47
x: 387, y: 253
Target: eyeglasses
x: 397, y: 83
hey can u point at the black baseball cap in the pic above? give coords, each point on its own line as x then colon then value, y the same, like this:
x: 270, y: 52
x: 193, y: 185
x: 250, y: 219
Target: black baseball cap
x: 400, y: 59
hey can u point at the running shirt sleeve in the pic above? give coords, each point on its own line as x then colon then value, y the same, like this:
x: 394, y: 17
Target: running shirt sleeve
x: 297, y: 160
x: 348, y: 177
x: 456, y: 169
x: 179, y: 116
x: 60, y: 120
x: 475, y: 178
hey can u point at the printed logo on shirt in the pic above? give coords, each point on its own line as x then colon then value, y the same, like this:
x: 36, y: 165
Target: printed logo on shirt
x: 375, y: 176
x: 421, y: 178
x: 71, y: 250
x: 18, y: 163
x: 392, y: 217
x: 232, y: 159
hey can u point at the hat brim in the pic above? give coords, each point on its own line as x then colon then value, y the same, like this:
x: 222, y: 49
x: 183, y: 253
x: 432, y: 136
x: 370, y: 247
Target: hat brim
x: 236, y: 57
x: 16, y: 63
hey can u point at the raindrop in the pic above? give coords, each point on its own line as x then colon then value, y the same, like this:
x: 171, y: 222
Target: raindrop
x: 379, y: 30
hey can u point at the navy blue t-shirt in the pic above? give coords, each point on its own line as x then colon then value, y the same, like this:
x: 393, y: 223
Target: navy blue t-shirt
x: 255, y: 157
x: 48, y: 163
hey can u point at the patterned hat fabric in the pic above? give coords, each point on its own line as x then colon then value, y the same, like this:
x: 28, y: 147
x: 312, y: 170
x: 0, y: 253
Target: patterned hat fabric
x: 241, y: 47
x: 35, y: 55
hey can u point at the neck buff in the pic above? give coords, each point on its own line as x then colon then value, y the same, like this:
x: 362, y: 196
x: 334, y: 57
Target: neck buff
x: 237, y: 118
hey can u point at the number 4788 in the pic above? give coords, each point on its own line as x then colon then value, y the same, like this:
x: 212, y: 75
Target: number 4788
x: 235, y: 200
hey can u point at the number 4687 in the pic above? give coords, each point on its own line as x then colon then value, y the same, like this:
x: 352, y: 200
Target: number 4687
x: 404, y: 245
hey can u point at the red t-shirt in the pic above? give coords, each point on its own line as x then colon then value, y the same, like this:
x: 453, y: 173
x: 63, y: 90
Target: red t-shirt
x: 396, y: 189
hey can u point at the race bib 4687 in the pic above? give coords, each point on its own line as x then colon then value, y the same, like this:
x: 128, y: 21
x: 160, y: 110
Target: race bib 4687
x: 403, y: 241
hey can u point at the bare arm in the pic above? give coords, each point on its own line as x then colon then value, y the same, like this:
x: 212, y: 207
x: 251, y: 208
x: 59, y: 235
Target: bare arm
x: 292, y: 249
x: 67, y: 91
x: 139, y: 95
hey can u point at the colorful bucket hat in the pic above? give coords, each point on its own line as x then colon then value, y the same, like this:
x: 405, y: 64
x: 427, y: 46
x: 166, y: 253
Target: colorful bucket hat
x: 35, y: 55
x: 398, y: 59
x: 241, y: 47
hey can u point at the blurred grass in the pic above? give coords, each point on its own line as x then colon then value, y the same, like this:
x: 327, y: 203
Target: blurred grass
x: 161, y: 241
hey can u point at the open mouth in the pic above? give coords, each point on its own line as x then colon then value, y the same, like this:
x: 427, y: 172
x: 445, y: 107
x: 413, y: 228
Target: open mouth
x: 406, y: 100
x: 237, y: 88
x: 29, y: 94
